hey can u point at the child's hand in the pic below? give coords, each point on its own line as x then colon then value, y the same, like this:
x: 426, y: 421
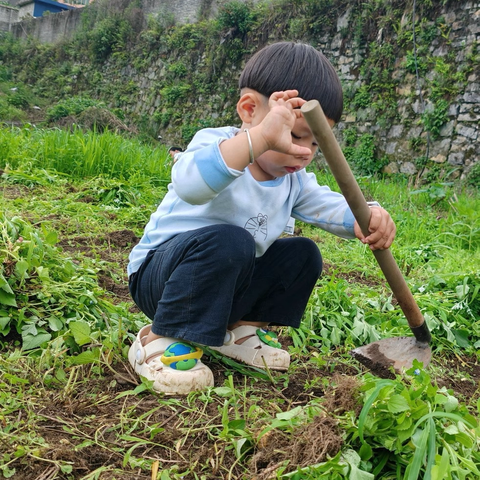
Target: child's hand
x: 278, y: 123
x: 382, y: 230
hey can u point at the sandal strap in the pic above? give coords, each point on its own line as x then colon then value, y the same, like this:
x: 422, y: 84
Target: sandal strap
x: 265, y: 336
x: 163, y: 349
x: 268, y: 337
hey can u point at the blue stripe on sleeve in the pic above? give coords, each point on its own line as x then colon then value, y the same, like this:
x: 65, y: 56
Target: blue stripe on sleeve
x: 212, y: 168
x: 348, y: 220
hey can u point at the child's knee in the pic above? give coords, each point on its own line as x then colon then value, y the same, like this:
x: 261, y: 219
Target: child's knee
x: 233, y: 243
x: 311, y: 255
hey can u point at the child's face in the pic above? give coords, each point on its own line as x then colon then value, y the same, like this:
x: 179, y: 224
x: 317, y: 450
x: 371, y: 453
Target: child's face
x: 272, y: 164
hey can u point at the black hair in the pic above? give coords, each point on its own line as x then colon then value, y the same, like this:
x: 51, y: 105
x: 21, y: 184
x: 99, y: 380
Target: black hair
x: 173, y: 149
x: 295, y: 66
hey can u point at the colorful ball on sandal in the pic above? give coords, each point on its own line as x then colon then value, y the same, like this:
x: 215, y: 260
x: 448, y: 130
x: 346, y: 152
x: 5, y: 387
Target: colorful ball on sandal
x: 178, y: 349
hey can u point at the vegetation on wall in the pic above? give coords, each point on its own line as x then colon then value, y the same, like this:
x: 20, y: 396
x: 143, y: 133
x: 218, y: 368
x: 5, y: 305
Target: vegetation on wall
x: 201, y: 62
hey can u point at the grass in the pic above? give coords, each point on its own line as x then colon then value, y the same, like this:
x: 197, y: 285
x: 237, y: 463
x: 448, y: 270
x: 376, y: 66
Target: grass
x: 73, y: 203
x: 81, y: 155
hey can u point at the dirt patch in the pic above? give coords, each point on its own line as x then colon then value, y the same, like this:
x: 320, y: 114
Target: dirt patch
x: 122, y: 238
x: 310, y: 444
x: 460, y: 374
x: 13, y: 191
x: 119, y: 291
x: 352, y: 277
x: 113, y: 247
x: 87, y: 426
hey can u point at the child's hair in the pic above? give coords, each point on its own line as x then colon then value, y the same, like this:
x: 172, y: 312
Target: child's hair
x: 295, y: 66
x: 175, y: 149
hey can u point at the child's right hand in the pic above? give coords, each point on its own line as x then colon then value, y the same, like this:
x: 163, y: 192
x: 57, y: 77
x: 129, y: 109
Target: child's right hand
x: 381, y: 227
x: 276, y: 127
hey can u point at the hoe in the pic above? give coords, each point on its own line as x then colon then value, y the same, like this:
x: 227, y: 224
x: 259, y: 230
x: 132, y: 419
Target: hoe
x: 398, y: 352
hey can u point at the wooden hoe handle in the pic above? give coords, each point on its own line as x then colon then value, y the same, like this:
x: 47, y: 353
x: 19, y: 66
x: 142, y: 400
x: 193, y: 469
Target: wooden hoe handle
x: 340, y: 169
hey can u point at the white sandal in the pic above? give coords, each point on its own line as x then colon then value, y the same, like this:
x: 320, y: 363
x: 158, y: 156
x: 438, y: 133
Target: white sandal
x: 261, y: 348
x: 173, y: 365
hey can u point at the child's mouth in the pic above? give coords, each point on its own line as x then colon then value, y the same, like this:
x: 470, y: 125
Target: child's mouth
x: 291, y: 169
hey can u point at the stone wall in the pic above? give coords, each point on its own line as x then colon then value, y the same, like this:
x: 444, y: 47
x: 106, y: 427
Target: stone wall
x: 457, y: 144
x: 456, y: 148
x: 400, y: 140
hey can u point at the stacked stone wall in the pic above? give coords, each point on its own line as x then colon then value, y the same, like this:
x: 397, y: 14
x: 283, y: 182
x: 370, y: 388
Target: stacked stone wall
x: 455, y: 146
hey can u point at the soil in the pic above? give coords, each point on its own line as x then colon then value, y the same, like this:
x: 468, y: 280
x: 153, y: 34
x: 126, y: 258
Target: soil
x: 112, y: 247
x: 71, y: 419
x: 68, y: 419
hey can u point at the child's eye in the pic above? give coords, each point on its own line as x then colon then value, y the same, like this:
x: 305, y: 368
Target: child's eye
x: 315, y: 144
x: 296, y: 137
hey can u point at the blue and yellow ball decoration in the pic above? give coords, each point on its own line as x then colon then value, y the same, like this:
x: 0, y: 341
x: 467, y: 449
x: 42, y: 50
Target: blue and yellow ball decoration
x: 181, y: 356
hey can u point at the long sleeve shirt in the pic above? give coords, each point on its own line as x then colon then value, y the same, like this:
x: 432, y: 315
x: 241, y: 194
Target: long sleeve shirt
x: 205, y: 191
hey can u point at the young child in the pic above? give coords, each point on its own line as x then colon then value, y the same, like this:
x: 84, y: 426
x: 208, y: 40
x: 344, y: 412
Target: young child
x: 173, y: 152
x: 211, y: 268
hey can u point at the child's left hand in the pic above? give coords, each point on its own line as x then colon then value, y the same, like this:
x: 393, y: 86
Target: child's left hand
x: 382, y: 230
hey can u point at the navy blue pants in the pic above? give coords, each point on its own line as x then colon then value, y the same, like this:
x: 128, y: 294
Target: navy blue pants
x: 197, y: 283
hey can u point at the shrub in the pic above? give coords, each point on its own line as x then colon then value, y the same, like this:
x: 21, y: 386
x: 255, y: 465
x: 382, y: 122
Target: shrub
x: 19, y: 100
x: 236, y: 15
x: 363, y: 98
x: 361, y: 154
x: 473, y: 178
x: 434, y: 120
x: 5, y: 74
x: 71, y: 106
x: 10, y: 113
x: 108, y: 35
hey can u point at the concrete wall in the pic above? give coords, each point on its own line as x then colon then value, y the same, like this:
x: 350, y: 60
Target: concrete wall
x: 26, y: 10
x: 51, y: 28
x: 8, y: 16
x: 184, y: 11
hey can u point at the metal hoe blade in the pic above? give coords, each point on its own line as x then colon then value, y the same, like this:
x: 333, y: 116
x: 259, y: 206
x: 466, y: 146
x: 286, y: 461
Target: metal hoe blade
x: 390, y: 355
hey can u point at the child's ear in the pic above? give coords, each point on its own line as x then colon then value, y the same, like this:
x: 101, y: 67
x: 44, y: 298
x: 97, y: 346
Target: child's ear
x: 246, y: 106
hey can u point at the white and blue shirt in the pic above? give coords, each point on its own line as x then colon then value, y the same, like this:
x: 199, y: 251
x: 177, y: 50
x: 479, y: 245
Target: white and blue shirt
x: 205, y: 191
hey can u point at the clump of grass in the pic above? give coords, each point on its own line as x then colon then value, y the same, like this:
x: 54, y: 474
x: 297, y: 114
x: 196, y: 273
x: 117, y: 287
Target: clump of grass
x: 82, y: 154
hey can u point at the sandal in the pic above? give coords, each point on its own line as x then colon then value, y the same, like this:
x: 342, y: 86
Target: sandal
x: 173, y: 365
x: 260, y: 349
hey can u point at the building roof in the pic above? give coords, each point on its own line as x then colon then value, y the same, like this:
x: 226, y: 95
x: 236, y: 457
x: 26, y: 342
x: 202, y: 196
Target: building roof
x: 52, y: 3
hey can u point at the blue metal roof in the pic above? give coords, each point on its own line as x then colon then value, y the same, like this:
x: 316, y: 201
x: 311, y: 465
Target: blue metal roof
x: 52, y: 3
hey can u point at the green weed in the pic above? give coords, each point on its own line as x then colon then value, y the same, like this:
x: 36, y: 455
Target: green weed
x: 424, y: 426
x: 71, y: 106
x: 44, y: 296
